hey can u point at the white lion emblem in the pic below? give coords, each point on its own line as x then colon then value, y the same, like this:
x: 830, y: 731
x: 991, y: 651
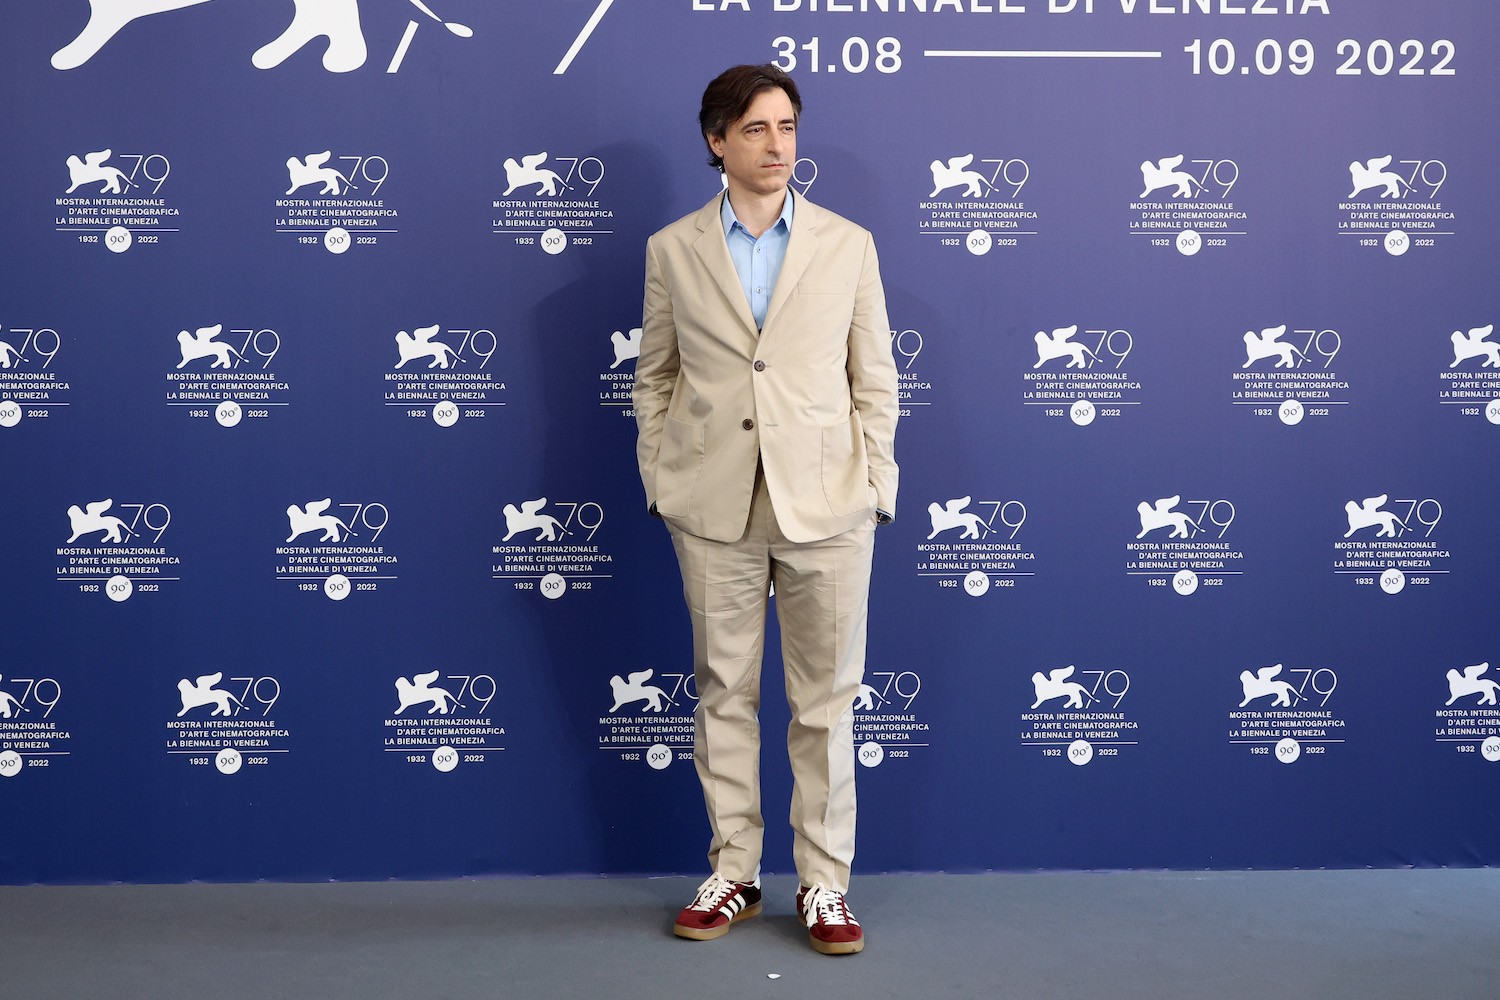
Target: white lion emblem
x: 1161, y: 515
x: 91, y: 169
x: 530, y: 518
x: 1372, y: 174
x: 953, y: 174
x: 531, y: 171
x: 410, y: 348
x: 1056, y: 685
x: 93, y: 518
x: 311, y: 171
x: 313, y: 519
x: 419, y: 689
x: 1164, y: 173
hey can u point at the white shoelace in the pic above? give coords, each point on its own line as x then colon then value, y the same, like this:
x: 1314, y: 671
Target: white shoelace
x: 712, y: 892
x: 825, y: 905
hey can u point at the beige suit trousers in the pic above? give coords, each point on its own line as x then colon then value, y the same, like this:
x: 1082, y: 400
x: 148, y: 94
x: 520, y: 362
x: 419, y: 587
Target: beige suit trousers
x: 822, y: 591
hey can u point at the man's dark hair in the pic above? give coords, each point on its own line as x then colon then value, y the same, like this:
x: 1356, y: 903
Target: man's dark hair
x: 729, y: 96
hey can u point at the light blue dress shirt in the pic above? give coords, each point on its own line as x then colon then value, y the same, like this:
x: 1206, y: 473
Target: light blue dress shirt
x: 758, y: 261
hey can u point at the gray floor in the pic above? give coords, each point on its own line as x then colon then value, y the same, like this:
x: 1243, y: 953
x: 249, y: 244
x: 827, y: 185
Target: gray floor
x: 1320, y: 935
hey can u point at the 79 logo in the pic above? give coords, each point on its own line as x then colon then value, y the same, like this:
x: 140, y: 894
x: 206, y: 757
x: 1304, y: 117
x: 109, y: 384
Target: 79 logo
x: 580, y: 517
x: 955, y: 515
x: 907, y: 344
x: 898, y: 686
x: 114, y: 530
x: 475, y: 346
x: 40, y: 693
x: 1081, y: 696
x: 243, y: 346
x: 94, y: 168
x: 313, y: 517
x: 1080, y: 354
x: 1302, y: 347
x: 206, y: 690
x: 312, y: 169
x: 1264, y: 683
x: 1394, y: 523
x: 35, y: 342
x: 1424, y: 180
x: 1212, y: 182
x: 475, y: 692
x: 683, y: 684
x: 997, y: 173
x: 586, y: 171
x: 1163, y: 514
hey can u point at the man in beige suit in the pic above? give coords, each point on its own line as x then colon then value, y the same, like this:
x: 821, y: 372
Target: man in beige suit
x: 765, y: 396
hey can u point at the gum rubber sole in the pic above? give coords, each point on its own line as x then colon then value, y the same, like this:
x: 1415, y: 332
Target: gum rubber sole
x: 838, y: 947
x: 709, y: 933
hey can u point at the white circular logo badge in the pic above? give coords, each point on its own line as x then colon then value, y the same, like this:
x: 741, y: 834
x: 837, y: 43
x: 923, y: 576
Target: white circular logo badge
x: 228, y: 413
x: 445, y: 414
x: 337, y: 587
x: 228, y: 760
x: 1188, y: 243
x: 1185, y: 582
x: 118, y: 239
x: 10, y: 413
x: 1080, y: 752
x: 1490, y: 748
x: 1288, y: 750
x: 10, y: 764
x: 336, y: 240
x: 976, y: 584
x: 659, y: 756
x: 979, y: 243
x: 554, y: 586
x: 1392, y: 581
x: 1082, y: 412
x: 871, y: 753
x: 119, y: 588
x: 1491, y: 412
x: 1291, y: 412
x: 445, y: 758
x: 554, y: 241
x: 1396, y: 243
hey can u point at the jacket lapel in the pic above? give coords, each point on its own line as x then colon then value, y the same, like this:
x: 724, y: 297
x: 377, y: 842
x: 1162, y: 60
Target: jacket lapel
x: 800, y: 250
x: 713, y: 251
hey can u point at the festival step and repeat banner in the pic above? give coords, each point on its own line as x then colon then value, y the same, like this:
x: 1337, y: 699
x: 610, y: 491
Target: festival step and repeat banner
x: 328, y: 556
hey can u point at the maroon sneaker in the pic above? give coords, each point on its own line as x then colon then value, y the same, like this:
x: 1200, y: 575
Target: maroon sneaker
x: 830, y: 926
x: 718, y: 904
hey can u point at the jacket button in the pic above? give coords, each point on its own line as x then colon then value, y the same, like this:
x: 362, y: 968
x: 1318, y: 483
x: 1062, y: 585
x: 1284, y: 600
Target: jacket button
x: 760, y: 366
x: 748, y: 424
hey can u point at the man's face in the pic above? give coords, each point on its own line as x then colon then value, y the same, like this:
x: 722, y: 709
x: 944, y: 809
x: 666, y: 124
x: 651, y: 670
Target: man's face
x: 760, y: 149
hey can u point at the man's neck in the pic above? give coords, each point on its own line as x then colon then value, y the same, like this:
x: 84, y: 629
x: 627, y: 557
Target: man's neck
x: 756, y: 212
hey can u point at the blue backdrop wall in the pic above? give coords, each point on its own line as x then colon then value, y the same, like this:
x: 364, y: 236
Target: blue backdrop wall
x: 327, y: 555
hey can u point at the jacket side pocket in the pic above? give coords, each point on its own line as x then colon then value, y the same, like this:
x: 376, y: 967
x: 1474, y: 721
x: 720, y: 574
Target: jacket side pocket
x: 677, y: 469
x: 846, y: 467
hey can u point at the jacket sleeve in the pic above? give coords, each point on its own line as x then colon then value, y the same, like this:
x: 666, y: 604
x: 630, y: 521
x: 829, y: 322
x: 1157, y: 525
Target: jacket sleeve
x: 872, y: 378
x: 655, y: 370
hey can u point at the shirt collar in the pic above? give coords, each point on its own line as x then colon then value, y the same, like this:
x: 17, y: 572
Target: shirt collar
x: 730, y: 220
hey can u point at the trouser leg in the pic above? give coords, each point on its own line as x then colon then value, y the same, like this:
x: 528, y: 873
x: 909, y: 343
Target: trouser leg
x: 822, y: 592
x: 725, y: 586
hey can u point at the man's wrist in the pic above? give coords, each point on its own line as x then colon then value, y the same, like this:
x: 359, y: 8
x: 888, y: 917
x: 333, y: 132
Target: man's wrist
x: 882, y: 517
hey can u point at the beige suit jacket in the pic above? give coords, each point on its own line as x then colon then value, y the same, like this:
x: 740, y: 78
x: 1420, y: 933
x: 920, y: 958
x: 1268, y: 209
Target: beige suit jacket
x: 811, y: 397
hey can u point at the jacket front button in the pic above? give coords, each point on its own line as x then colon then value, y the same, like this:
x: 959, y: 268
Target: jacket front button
x: 748, y: 424
x: 760, y: 366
